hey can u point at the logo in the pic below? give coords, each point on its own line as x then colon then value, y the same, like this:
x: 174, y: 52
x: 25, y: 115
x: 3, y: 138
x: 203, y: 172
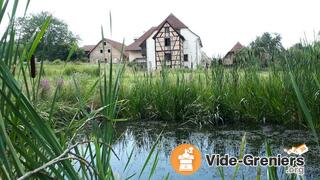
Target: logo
x: 298, y: 150
x: 185, y: 159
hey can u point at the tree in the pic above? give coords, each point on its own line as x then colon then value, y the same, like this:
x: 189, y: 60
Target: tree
x: 57, y: 40
x: 267, y: 47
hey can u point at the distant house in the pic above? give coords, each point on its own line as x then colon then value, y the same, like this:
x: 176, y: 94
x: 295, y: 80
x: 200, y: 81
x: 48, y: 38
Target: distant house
x: 102, y: 51
x: 87, y: 49
x: 229, y: 58
x: 171, y: 44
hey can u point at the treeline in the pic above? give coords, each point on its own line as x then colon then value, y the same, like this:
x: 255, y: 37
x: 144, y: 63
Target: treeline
x: 57, y: 41
x: 267, y: 50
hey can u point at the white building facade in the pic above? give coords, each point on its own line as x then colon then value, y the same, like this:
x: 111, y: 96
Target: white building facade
x: 171, y: 44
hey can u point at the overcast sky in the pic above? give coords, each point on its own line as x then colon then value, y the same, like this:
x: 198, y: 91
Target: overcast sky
x: 219, y: 23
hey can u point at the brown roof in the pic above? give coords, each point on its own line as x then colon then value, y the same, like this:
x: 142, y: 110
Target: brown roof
x: 88, y: 47
x: 135, y: 46
x: 174, y: 22
x: 236, y: 47
x: 171, y: 19
x: 114, y: 44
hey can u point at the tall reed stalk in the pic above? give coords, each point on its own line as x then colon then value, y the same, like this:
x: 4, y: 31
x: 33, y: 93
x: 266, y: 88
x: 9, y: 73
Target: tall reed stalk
x: 30, y: 147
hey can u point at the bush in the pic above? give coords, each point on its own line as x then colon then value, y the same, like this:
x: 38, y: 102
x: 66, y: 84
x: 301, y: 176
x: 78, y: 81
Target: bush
x: 93, y: 71
x: 69, y: 70
x: 57, y: 61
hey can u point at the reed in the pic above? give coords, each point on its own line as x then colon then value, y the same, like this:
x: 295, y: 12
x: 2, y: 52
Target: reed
x: 243, y: 93
x: 31, y: 144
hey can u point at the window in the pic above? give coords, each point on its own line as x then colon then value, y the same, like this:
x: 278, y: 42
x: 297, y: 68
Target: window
x: 167, y: 42
x: 101, y: 51
x: 185, y: 57
x: 104, y: 43
x: 167, y: 56
x: 166, y: 29
x: 109, y: 50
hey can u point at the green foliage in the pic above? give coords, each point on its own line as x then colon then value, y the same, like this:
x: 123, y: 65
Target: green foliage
x: 32, y: 144
x: 57, y: 61
x: 69, y: 70
x: 269, y: 43
x: 57, y: 40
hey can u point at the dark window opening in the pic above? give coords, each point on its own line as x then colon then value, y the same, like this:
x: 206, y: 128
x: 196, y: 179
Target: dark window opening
x: 104, y: 43
x: 101, y: 51
x: 166, y: 29
x: 167, y: 42
x: 109, y: 50
x: 167, y: 56
x: 185, y: 57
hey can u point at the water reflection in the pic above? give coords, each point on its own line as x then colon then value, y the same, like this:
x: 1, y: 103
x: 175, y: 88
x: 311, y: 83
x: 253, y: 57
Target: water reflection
x: 142, y: 136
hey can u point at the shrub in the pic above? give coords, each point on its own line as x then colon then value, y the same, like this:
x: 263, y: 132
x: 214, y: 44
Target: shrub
x: 69, y: 70
x: 57, y: 61
x: 93, y: 71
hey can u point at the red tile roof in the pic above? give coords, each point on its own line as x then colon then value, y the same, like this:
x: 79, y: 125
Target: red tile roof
x: 88, y: 47
x: 236, y: 47
x: 174, y: 22
x: 135, y: 46
x: 171, y: 19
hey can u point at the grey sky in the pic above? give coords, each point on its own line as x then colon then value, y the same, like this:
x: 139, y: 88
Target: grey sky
x: 219, y: 23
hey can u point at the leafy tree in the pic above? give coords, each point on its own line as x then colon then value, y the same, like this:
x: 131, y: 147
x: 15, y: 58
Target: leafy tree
x: 56, y: 42
x: 267, y: 47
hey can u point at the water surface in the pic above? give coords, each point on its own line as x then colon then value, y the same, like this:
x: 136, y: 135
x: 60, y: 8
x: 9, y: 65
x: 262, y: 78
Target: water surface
x: 140, y: 136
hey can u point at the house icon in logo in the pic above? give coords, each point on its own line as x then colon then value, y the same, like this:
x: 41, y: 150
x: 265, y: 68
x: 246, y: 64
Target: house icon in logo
x: 186, y: 160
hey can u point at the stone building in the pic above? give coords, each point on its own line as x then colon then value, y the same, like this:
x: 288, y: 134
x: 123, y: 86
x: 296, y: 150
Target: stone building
x: 229, y: 58
x: 102, y: 52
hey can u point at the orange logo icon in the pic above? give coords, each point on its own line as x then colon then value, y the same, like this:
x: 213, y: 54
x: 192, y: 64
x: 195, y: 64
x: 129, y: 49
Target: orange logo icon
x: 185, y: 159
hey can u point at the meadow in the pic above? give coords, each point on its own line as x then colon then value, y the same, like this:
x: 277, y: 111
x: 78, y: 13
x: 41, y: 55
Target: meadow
x: 215, y: 96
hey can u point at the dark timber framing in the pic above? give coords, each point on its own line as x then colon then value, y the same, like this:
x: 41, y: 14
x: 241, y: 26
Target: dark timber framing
x: 175, y: 48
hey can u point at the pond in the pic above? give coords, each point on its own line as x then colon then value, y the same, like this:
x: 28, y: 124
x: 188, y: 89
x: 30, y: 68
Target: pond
x: 140, y: 136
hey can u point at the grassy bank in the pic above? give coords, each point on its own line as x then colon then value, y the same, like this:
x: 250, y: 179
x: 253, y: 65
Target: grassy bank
x: 218, y: 95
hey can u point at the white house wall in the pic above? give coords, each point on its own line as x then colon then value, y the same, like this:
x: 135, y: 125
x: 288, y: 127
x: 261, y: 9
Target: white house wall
x: 151, y: 56
x: 134, y: 55
x: 192, y: 47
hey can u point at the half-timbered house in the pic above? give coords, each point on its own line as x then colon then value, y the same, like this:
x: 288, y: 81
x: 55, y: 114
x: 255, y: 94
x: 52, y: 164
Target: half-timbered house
x: 171, y: 44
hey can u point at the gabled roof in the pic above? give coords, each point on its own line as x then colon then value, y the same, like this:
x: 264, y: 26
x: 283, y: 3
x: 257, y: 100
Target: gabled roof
x: 174, y: 22
x: 114, y: 44
x: 135, y: 46
x: 161, y: 26
x: 88, y: 47
x: 237, y: 47
x: 171, y: 19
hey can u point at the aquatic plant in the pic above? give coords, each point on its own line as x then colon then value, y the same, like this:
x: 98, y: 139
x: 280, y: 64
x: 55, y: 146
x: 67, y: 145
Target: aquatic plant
x: 30, y: 146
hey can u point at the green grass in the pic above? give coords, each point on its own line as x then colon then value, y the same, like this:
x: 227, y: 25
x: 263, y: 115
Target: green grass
x: 38, y: 141
x: 203, y: 97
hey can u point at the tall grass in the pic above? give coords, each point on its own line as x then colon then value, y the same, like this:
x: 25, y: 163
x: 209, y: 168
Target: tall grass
x: 243, y: 93
x: 30, y: 144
